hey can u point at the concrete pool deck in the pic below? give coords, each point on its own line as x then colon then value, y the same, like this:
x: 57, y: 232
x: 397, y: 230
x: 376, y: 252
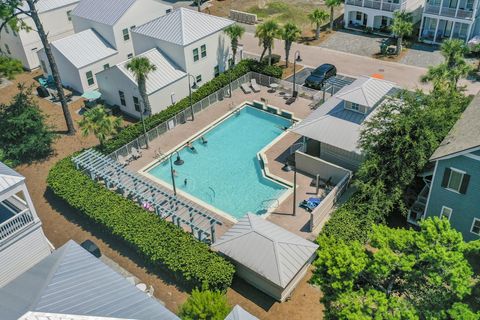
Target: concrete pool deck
x: 281, y: 215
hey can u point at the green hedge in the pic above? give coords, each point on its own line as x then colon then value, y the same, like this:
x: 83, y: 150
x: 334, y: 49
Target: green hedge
x: 163, y: 244
x: 135, y: 130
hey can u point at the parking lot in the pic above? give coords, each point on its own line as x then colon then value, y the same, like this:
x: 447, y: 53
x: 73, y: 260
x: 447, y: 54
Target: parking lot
x: 335, y: 83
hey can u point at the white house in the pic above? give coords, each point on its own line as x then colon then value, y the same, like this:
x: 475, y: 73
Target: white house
x: 23, y: 45
x: 377, y: 14
x: 102, y: 38
x: 184, y: 44
x: 447, y: 19
x: 22, y: 242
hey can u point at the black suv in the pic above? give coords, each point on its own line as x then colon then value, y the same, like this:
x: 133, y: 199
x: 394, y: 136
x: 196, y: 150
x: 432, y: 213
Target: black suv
x: 317, y: 78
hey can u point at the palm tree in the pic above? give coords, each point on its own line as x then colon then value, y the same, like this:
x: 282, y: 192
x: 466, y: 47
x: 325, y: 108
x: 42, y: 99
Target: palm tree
x: 454, y: 51
x: 9, y: 12
x: 98, y: 122
x: 332, y: 4
x: 289, y: 33
x: 438, y: 76
x: 318, y: 17
x: 141, y: 67
x: 402, y: 26
x: 266, y: 33
x: 235, y: 32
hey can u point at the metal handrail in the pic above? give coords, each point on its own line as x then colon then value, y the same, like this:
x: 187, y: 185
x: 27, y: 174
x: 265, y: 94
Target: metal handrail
x: 16, y: 223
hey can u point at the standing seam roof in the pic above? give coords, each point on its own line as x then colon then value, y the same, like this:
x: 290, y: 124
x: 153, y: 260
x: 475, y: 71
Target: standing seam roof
x: 102, y: 11
x: 365, y: 91
x: 8, y: 177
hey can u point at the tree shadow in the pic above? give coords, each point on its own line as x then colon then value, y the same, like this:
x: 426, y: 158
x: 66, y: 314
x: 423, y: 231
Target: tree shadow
x: 252, y: 294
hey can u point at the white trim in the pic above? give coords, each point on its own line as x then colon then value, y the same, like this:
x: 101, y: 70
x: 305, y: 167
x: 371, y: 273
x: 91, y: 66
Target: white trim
x: 463, y: 173
x: 472, y: 156
x: 442, y: 214
x: 456, y: 154
x: 473, y: 223
x: 430, y: 190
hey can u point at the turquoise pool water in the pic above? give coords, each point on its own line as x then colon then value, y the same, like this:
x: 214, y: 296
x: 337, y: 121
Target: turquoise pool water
x: 226, y: 172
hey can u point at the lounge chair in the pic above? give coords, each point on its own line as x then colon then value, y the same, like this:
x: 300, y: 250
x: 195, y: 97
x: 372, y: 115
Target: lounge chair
x: 310, y: 204
x: 135, y: 153
x: 254, y: 85
x: 124, y: 160
x: 290, y: 101
x: 246, y: 88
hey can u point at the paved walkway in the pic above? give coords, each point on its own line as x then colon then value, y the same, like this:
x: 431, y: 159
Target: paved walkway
x: 355, y: 65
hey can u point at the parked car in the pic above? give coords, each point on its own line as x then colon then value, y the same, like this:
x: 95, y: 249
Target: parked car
x: 317, y: 78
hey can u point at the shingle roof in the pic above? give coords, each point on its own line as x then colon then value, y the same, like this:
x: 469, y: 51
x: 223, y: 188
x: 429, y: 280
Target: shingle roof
x: 183, y: 26
x: 167, y: 72
x: 8, y: 177
x: 84, y: 48
x: 102, y: 11
x: 238, y: 313
x: 72, y: 281
x: 464, y: 135
x: 269, y: 250
x: 365, y: 91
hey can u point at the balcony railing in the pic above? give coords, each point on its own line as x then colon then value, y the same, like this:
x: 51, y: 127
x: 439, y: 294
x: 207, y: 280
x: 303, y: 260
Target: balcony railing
x: 432, y: 9
x: 448, y: 12
x: 358, y: 3
x: 373, y: 4
x: 464, y: 14
x: 15, y: 224
x: 387, y: 6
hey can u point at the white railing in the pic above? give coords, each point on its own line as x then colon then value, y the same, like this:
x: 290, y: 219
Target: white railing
x: 15, y: 224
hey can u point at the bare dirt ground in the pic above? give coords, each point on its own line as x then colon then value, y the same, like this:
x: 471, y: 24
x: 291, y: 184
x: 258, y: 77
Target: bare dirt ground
x: 61, y: 223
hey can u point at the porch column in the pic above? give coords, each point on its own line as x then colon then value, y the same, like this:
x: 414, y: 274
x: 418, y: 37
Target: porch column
x: 29, y: 202
x: 436, y: 29
x: 422, y: 21
x: 456, y: 14
x: 470, y: 27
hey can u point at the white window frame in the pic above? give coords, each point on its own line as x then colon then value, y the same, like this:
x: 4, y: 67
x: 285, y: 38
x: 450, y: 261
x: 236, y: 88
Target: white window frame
x: 473, y: 224
x: 126, y: 36
x: 445, y: 215
x: 196, y: 78
x: 92, y: 77
x: 197, y: 55
x: 69, y: 15
x: 450, y: 178
x: 202, y: 51
x: 130, y: 56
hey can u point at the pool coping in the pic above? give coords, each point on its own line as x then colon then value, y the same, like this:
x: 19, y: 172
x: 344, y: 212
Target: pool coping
x: 260, y: 156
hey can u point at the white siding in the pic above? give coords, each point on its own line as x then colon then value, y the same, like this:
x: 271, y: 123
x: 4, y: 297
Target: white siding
x: 175, y: 52
x: 27, y: 250
x: 340, y: 157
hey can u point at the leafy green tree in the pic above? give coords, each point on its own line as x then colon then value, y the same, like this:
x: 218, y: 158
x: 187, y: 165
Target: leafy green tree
x: 332, y: 4
x: 318, y: 17
x: 10, y: 10
x: 24, y: 136
x: 461, y: 311
x: 235, y: 32
x: 98, y: 122
x: 205, y: 305
x: 402, y: 26
x: 266, y: 33
x: 9, y: 67
x: 289, y: 33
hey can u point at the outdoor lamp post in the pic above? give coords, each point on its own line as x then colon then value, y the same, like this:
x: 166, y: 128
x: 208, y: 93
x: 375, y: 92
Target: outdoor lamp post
x: 287, y: 167
x: 190, y: 87
x: 230, y: 58
x: 177, y: 162
x: 296, y: 58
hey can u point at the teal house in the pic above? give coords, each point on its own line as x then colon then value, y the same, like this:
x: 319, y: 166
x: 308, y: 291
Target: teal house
x: 454, y: 188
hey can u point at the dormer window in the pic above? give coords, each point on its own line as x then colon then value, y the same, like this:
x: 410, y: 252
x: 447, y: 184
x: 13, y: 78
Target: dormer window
x: 355, y: 106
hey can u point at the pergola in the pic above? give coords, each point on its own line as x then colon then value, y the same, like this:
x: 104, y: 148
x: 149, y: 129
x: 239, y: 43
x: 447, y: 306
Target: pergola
x: 132, y: 185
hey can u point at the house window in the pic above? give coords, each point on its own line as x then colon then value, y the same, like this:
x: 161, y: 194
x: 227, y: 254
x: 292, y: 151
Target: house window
x: 121, y: 94
x: 136, y: 104
x: 455, y: 180
x: 199, y: 78
x: 90, y: 80
x: 106, y: 66
x: 132, y: 27
x: 475, y: 226
x: 216, y: 71
x: 446, y: 212
x: 126, y: 34
x: 69, y: 15
x: 7, y: 48
x: 130, y: 56
x: 195, y: 54
x: 359, y: 16
x: 354, y: 106
x: 203, y: 50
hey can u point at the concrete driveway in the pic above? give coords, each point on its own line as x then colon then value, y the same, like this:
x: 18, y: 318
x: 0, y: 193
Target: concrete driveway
x: 339, y: 80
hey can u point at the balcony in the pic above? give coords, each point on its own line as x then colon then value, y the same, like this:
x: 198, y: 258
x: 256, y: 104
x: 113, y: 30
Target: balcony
x: 432, y: 9
x: 378, y: 5
x: 373, y: 4
x: 448, y: 12
x: 417, y: 210
x: 14, y: 217
x: 387, y: 6
x: 358, y: 3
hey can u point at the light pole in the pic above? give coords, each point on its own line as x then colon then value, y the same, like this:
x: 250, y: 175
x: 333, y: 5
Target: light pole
x: 230, y: 58
x: 178, y: 162
x: 287, y: 167
x: 296, y: 58
x: 190, y: 87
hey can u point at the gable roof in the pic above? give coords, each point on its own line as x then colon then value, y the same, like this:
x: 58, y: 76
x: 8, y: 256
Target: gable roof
x: 57, y: 316
x: 464, y: 135
x: 73, y: 281
x: 183, y: 26
x: 102, y: 11
x: 365, y: 91
x: 166, y: 73
x: 48, y: 5
x: 9, y: 177
x: 84, y: 48
x: 238, y: 313
x: 269, y: 250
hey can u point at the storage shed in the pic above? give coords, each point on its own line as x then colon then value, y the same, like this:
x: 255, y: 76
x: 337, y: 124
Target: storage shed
x: 267, y: 256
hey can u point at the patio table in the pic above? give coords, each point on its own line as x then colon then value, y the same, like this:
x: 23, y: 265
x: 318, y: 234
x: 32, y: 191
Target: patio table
x: 274, y: 86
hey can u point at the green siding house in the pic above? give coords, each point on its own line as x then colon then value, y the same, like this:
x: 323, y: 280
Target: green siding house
x: 455, y: 186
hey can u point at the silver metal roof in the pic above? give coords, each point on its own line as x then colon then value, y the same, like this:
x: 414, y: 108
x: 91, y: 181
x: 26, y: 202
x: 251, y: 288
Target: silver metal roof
x: 265, y: 248
x: 84, y: 48
x: 72, y: 281
x: 166, y: 73
x: 48, y: 5
x: 365, y: 91
x: 464, y: 135
x: 102, y: 11
x: 9, y: 177
x: 238, y: 313
x: 57, y: 316
x: 183, y: 26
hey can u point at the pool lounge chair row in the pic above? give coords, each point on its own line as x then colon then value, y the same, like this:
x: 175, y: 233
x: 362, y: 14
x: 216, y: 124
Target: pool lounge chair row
x: 272, y: 109
x: 253, y: 85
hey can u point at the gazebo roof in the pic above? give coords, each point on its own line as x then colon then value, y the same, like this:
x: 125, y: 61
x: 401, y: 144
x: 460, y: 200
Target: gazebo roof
x: 9, y: 178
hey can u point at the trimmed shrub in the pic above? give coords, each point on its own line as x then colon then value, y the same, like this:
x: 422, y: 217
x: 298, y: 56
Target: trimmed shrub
x: 163, y: 244
x: 275, y: 59
x: 135, y: 130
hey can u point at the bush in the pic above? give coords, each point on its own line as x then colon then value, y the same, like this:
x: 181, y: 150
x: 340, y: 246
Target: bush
x: 163, y: 244
x: 275, y: 59
x: 9, y: 67
x: 135, y: 130
x: 205, y: 305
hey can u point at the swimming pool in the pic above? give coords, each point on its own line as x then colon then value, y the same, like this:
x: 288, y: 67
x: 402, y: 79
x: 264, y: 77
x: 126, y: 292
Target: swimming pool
x: 225, y: 172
